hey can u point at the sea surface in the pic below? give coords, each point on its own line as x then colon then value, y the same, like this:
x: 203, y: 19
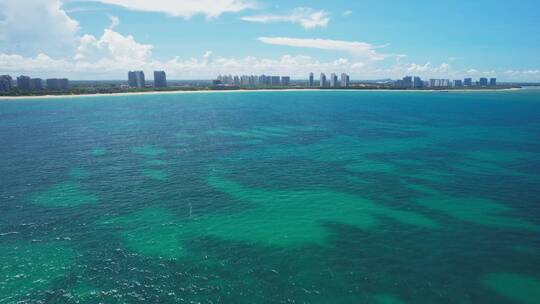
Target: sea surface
x: 272, y: 197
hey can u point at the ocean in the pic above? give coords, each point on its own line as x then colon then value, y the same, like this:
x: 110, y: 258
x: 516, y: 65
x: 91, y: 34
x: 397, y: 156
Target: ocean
x: 271, y: 197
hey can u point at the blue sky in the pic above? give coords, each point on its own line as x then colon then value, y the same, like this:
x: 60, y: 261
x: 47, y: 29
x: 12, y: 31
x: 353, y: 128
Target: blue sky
x: 194, y: 39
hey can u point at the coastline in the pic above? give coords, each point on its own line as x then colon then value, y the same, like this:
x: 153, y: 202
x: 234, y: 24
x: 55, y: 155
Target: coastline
x: 62, y: 96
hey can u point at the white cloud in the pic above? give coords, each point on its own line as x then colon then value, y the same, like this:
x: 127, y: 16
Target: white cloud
x: 114, y: 46
x: 477, y: 73
x: 185, y: 8
x: 347, y: 13
x: 308, y: 18
x: 355, y: 48
x: 207, y: 66
x: 115, y: 21
x: 31, y: 27
x: 37, y: 65
x: 426, y: 70
x: 524, y: 72
x: 115, y: 62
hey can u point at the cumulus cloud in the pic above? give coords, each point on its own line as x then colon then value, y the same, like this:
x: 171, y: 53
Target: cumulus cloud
x: 114, y: 46
x: 38, y: 64
x: 355, y: 48
x: 308, y: 18
x: 114, y: 63
x: 31, y: 27
x: 185, y: 8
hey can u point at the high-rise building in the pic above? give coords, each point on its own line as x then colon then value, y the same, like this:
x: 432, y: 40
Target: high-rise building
x: 458, y: 83
x: 275, y: 81
x: 333, y: 80
x: 219, y: 79
x: 36, y: 84
x: 417, y: 82
x: 160, y: 79
x: 439, y: 83
x: 136, y: 79
x: 23, y: 83
x: 345, y: 80
x: 445, y: 83
x: 226, y: 79
x: 285, y: 81
x: 244, y: 81
x: 493, y: 82
x: 132, y: 79
x: 57, y: 84
x: 5, y: 83
x: 408, y: 81
x: 483, y: 82
x: 311, y: 80
x: 323, y: 80
x: 467, y: 82
x: 253, y: 80
x: 264, y: 80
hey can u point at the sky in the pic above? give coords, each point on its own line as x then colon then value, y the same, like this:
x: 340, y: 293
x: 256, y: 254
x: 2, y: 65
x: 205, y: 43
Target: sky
x: 199, y: 39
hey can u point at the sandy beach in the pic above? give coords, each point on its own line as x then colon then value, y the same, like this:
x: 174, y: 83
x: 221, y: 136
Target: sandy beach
x: 5, y: 98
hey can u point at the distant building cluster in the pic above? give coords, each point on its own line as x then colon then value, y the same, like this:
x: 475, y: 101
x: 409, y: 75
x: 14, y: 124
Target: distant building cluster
x: 334, y: 82
x: 136, y: 79
x: 410, y: 82
x: 25, y: 83
x: 253, y: 80
x: 6, y: 83
x: 57, y: 84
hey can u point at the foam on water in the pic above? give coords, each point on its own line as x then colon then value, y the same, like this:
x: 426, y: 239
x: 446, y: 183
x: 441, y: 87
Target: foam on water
x: 26, y: 269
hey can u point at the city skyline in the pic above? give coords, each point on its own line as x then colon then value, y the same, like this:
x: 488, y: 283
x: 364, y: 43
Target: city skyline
x: 103, y: 39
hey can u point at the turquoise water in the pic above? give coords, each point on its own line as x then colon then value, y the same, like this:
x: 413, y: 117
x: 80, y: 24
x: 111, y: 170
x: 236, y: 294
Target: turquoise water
x: 271, y: 197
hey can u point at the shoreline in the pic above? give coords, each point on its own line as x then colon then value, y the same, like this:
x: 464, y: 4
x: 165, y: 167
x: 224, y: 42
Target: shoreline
x: 62, y: 96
